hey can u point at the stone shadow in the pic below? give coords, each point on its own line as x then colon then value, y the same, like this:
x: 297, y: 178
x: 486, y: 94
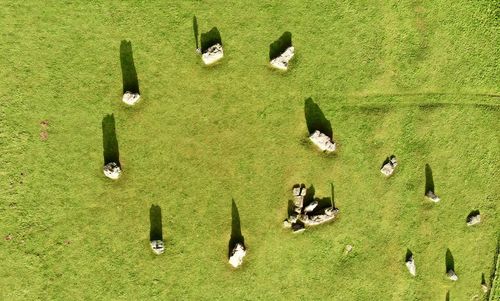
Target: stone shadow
x: 315, y: 119
x: 447, y: 298
x: 279, y: 46
x: 449, y: 261
x: 408, y: 255
x: 429, y: 180
x: 129, y: 73
x: 210, y: 38
x: 109, y: 140
x: 236, y: 236
x: 195, y: 31
x: 156, y: 227
x: 323, y: 203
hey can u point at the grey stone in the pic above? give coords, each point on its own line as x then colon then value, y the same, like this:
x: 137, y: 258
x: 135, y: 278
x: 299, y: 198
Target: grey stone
x: 388, y: 168
x: 237, y: 254
x: 112, y: 170
x: 213, y: 54
x: 410, y: 265
x: 432, y: 196
x: 282, y: 61
x: 451, y: 275
x: 473, y: 220
x: 131, y: 98
x: 322, y: 141
x: 157, y: 246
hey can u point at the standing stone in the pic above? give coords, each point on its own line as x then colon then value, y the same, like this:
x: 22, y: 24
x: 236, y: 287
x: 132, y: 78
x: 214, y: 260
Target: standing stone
x: 112, y: 170
x: 213, y: 54
x: 131, y: 98
x: 410, y: 265
x: 388, y: 168
x: 281, y: 62
x: 157, y: 246
x: 451, y: 275
x: 473, y: 219
x: 322, y: 141
x: 237, y: 254
x: 432, y: 196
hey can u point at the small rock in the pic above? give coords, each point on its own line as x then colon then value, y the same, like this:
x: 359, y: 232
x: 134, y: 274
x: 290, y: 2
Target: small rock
x: 112, y: 170
x: 410, y: 264
x: 8, y: 237
x: 388, y: 168
x: 485, y: 287
x: 310, y: 207
x: 213, y: 54
x: 473, y: 220
x: 298, y: 227
x: 433, y: 197
x: 237, y: 254
x: 348, y: 249
x: 322, y: 141
x: 287, y: 224
x: 157, y: 246
x: 451, y: 274
x: 281, y: 62
x: 131, y: 98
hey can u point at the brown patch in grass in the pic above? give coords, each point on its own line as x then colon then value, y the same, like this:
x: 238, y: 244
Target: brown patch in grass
x: 44, y: 134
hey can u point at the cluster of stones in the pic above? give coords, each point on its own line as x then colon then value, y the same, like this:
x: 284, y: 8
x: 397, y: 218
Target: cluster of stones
x: 388, y: 168
x: 281, y: 62
x: 307, y: 216
x: 212, y: 55
x: 323, y: 142
x: 237, y: 254
x: 112, y: 170
x: 131, y: 98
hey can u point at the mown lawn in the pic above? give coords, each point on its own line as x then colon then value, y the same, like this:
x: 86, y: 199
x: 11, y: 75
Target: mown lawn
x: 417, y: 79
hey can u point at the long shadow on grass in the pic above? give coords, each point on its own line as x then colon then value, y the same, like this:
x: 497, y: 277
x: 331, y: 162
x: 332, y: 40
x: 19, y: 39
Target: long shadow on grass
x: 210, y: 38
x: 449, y: 261
x: 109, y: 140
x: 315, y: 119
x: 195, y: 31
x: 129, y: 74
x: 236, y: 236
x: 279, y: 46
x: 156, y: 228
x: 447, y: 298
x: 429, y: 180
x: 494, y: 267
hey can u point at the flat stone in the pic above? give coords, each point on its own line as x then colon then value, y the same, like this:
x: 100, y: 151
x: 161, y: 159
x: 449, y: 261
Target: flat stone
x: 213, y: 54
x: 410, y: 265
x: 157, y: 246
x: 322, y: 141
x: 473, y: 220
x: 112, y: 170
x: 451, y: 275
x: 131, y: 98
x: 432, y: 196
x: 310, y: 207
x: 388, y: 168
x: 313, y: 220
x: 281, y: 62
x: 237, y: 254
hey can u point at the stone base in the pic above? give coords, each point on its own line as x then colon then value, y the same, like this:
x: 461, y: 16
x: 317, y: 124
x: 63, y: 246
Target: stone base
x: 213, y: 54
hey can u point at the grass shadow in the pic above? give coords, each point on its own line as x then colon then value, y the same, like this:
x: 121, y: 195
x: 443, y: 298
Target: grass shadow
x: 494, y: 267
x: 449, y: 261
x: 109, y: 140
x: 315, y: 119
x: 429, y: 180
x: 236, y: 236
x: 279, y: 46
x: 195, y: 31
x: 129, y: 73
x: 210, y: 38
x: 156, y: 228
x: 408, y: 255
x: 447, y: 298
x: 332, y: 194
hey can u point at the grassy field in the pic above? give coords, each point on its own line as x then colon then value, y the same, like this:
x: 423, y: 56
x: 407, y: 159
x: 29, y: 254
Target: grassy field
x: 417, y: 79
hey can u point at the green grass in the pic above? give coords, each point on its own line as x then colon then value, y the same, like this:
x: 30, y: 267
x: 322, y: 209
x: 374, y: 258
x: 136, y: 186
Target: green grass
x: 418, y: 79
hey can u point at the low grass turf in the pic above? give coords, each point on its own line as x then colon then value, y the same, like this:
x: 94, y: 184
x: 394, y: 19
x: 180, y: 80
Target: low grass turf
x: 418, y: 79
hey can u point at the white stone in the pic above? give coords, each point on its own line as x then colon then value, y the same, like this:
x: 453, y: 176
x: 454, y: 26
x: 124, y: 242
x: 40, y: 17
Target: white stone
x: 432, y: 196
x: 451, y: 274
x: 212, y: 54
x: 131, y: 98
x: 484, y: 287
x: 287, y: 224
x: 281, y: 62
x: 410, y: 264
x: 322, y: 141
x: 473, y: 220
x: 237, y: 255
x: 313, y: 220
x: 348, y: 249
x: 112, y: 170
x: 157, y: 246
x: 388, y: 168
x: 310, y: 207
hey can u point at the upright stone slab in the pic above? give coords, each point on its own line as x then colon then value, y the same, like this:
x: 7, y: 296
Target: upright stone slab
x: 112, y: 170
x: 237, y: 254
